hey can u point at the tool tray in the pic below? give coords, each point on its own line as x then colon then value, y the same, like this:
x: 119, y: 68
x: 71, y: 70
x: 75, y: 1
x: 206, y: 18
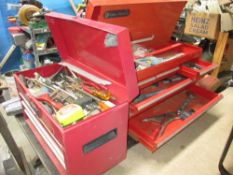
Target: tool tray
x: 147, y: 132
x: 185, y: 53
x: 205, y: 67
x: 151, y: 24
x: 89, y: 142
x: 164, y: 89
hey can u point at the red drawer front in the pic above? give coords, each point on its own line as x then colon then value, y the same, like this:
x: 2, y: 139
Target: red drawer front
x: 203, y: 67
x: 45, y: 139
x: 164, y: 90
x: 178, y: 54
x: 149, y: 133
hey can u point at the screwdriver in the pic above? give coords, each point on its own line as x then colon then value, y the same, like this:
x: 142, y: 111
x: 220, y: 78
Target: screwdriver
x: 101, y: 104
x: 93, y: 89
x: 103, y: 95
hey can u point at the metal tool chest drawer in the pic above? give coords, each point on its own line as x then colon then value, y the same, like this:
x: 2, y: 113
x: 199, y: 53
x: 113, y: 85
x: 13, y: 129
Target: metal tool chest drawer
x: 149, y: 128
x: 166, y: 71
x: 96, y: 143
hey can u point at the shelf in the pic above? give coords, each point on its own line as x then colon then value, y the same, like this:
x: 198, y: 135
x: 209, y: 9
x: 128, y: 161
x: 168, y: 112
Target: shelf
x: 46, y: 52
x: 35, y: 31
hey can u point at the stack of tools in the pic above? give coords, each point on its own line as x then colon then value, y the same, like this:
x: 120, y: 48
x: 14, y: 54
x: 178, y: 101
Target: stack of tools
x: 193, y: 65
x: 68, y: 97
x: 158, y: 87
x: 183, y: 112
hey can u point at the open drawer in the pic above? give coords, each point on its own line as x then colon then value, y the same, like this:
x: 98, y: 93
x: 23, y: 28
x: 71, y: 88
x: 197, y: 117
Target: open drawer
x: 160, y: 123
x: 171, y: 56
x: 160, y: 87
x: 198, y: 67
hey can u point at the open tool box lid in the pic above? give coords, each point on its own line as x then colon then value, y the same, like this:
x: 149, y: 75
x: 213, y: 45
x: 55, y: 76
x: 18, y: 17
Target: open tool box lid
x: 97, y: 48
x: 155, y: 19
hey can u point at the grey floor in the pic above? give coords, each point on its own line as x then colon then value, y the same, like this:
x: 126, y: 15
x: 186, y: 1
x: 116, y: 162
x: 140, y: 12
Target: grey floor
x: 194, y: 151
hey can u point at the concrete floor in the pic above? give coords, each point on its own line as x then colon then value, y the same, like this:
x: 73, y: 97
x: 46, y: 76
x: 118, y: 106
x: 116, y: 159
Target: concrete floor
x: 195, y: 151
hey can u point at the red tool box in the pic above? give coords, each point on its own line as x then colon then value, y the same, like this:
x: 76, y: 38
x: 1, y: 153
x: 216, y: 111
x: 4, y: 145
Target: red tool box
x: 96, y: 51
x: 166, y: 71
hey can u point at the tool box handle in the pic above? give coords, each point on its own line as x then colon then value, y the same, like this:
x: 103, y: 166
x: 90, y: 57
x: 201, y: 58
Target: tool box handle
x: 98, y: 142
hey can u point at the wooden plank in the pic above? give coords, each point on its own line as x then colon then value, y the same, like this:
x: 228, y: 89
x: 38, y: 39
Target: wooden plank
x: 219, y: 51
x: 17, y: 152
x: 6, y: 134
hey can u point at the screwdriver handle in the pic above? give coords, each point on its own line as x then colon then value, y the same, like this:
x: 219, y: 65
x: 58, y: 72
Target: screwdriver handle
x: 46, y: 98
x: 103, y: 106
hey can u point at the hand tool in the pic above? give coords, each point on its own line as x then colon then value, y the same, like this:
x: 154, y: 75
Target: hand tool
x: 46, y: 98
x: 38, y: 83
x: 193, y: 65
x: 99, y: 91
x: 185, y: 114
x: 181, y: 111
x: 75, y: 86
x: 86, y: 74
x: 143, y: 40
x: 145, y: 96
x: 101, y: 104
x: 164, y: 120
x: 171, y: 79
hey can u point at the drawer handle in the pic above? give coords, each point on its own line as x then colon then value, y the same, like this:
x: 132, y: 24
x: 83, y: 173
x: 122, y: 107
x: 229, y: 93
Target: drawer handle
x: 100, y: 141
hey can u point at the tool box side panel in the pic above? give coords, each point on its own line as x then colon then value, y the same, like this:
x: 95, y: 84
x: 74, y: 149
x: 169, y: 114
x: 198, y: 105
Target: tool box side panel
x: 102, y: 48
x: 147, y: 133
x: 138, y: 18
x: 98, y: 144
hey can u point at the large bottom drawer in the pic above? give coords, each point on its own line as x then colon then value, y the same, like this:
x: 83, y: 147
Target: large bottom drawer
x: 160, y: 123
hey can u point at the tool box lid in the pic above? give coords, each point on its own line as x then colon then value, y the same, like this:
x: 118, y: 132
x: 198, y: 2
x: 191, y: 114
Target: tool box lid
x: 155, y: 19
x: 98, y: 48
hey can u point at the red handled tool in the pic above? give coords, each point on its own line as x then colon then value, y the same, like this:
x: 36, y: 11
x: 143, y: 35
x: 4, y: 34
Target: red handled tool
x: 46, y: 98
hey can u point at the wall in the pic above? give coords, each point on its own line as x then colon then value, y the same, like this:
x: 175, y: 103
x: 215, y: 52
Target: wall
x: 5, y: 38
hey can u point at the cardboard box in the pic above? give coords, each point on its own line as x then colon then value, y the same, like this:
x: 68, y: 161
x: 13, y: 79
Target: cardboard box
x: 224, y: 2
x: 226, y: 22
x: 202, y: 25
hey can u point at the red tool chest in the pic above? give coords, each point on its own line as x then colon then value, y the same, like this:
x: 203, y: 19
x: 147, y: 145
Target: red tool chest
x: 162, y: 95
x: 97, y: 52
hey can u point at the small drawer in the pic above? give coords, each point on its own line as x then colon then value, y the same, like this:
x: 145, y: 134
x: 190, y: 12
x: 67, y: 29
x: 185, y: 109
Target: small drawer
x: 173, y: 55
x: 198, y: 67
x: 164, y: 85
x: 160, y: 123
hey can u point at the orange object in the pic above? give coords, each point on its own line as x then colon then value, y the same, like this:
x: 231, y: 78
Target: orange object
x: 103, y: 95
x: 12, y: 19
x: 103, y: 106
x: 49, y: 100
